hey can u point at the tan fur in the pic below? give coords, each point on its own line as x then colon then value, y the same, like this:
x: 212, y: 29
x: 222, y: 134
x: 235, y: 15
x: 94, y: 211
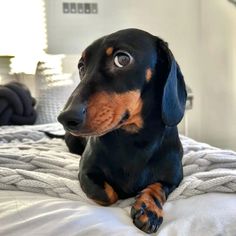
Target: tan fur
x: 135, y: 122
x: 148, y: 74
x: 111, y: 194
x: 105, y: 111
x: 146, y: 197
x: 109, y: 51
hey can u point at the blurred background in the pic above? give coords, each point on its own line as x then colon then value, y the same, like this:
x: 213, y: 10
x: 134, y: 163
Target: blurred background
x: 46, y: 37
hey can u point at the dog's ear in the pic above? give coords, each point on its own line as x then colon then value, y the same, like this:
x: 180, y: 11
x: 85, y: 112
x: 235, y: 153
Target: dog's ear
x: 174, y: 92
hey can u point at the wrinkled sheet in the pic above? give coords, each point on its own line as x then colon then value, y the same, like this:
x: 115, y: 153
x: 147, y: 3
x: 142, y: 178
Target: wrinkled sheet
x: 28, y: 214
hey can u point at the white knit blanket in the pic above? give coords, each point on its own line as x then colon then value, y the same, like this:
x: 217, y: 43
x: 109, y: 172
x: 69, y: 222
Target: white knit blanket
x: 30, y: 161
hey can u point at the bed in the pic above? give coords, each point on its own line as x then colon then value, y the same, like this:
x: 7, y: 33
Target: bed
x: 40, y: 193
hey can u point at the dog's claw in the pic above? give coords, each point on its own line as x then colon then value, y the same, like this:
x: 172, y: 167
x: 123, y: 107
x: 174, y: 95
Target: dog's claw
x: 136, y: 213
x: 145, y: 219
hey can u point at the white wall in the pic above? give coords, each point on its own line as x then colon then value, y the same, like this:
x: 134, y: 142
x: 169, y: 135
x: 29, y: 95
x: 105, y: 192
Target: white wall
x: 72, y: 32
x: 218, y: 73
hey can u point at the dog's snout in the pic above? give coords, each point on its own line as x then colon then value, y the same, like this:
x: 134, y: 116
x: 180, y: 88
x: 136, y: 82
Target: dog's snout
x: 73, y: 119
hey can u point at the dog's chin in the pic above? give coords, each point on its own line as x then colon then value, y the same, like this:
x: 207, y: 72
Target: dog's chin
x: 92, y: 133
x: 89, y: 133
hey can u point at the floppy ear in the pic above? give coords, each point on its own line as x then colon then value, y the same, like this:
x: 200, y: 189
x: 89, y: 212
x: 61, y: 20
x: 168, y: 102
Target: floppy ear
x: 174, y: 96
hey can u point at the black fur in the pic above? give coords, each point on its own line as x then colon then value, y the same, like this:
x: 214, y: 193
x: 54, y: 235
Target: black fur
x: 130, y: 162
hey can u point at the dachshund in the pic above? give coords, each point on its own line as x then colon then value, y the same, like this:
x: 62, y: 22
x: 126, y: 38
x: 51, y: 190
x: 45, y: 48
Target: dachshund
x: 122, y: 118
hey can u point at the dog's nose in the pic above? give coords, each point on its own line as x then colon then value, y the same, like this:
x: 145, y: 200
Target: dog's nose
x: 73, y: 119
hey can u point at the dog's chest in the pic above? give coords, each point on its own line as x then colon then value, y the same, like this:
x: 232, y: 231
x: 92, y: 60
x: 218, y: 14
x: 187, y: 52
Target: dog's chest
x: 124, y: 166
x: 128, y: 172
x: 127, y: 181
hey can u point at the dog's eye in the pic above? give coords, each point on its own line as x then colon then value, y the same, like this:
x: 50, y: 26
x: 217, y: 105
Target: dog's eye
x: 122, y: 59
x: 81, y: 68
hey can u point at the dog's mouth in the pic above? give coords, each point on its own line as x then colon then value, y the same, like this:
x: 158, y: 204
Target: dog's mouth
x: 106, y: 112
x: 86, y: 132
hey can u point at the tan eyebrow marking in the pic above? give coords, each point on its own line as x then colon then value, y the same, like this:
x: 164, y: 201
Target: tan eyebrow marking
x: 109, y: 51
x: 148, y: 74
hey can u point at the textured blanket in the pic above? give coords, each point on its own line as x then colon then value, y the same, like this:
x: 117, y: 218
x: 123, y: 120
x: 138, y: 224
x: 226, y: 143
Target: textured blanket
x: 30, y: 161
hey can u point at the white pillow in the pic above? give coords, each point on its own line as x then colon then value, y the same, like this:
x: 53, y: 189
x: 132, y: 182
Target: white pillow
x: 52, y: 92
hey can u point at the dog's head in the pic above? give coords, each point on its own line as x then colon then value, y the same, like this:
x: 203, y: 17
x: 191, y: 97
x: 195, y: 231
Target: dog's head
x: 118, y: 73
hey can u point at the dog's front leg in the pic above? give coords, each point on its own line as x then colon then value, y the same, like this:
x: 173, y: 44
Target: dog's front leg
x: 147, y: 212
x: 96, y: 188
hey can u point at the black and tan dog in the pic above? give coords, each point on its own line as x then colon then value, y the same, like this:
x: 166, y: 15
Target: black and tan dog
x: 127, y: 105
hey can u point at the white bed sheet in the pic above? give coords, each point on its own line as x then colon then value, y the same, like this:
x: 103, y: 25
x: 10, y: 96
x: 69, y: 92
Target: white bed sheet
x: 24, y: 213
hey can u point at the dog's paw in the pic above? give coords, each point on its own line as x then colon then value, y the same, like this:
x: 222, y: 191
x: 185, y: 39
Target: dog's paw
x: 147, y: 212
x: 146, y: 218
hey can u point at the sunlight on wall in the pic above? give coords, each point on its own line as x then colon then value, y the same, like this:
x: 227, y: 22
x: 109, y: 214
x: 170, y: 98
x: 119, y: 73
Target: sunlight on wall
x: 23, y: 32
x: 234, y: 55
